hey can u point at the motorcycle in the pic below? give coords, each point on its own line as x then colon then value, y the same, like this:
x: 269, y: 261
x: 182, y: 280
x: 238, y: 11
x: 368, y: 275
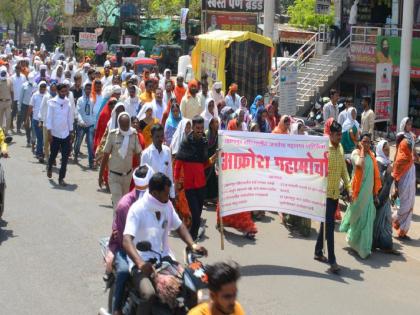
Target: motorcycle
x: 315, y: 114
x: 191, y: 279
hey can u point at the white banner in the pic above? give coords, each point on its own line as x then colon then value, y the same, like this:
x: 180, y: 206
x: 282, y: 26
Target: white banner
x: 87, y: 40
x: 68, y: 7
x: 288, y: 89
x: 282, y: 173
x: 183, y: 22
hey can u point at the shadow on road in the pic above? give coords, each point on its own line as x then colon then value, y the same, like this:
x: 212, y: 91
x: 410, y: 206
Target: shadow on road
x: 69, y: 187
x: 5, y: 234
x: 272, y: 270
x: 106, y: 206
x: 416, y: 217
x: 377, y: 259
x: 237, y: 239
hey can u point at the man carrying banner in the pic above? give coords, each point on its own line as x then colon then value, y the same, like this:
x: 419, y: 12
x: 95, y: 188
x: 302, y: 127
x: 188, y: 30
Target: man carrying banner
x: 337, y: 170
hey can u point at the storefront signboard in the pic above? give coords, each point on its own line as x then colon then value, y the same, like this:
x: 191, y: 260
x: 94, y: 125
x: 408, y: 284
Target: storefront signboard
x: 362, y: 57
x: 233, y: 5
x: 231, y: 21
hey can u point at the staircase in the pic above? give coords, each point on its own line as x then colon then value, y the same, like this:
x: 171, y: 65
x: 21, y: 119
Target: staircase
x: 316, y: 73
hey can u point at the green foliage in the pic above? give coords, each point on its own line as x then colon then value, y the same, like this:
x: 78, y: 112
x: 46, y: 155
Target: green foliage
x: 302, y: 14
x: 172, y: 7
x: 166, y: 37
x: 81, y: 53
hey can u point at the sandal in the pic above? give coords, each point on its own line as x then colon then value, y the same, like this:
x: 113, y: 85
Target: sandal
x: 250, y: 236
x: 321, y: 258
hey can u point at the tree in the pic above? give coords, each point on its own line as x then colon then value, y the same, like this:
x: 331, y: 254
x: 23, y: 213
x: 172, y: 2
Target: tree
x: 104, y: 10
x: 16, y: 12
x: 302, y: 14
x: 172, y: 7
x: 39, y: 11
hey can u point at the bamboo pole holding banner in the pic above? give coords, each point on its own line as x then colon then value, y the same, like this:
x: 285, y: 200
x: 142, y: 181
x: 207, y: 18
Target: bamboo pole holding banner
x: 222, y: 235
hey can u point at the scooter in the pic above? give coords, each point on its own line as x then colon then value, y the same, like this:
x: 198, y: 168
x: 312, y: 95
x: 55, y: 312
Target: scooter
x: 191, y: 278
x: 315, y: 114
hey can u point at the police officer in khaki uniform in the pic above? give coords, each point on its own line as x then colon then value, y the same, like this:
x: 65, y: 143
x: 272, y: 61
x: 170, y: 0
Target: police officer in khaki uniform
x: 5, y: 99
x: 120, y: 146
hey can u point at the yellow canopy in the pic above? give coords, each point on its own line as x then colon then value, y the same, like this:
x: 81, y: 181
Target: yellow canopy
x: 214, y: 44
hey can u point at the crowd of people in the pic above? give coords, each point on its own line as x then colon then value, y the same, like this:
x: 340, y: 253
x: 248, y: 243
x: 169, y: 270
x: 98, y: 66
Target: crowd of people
x: 138, y: 126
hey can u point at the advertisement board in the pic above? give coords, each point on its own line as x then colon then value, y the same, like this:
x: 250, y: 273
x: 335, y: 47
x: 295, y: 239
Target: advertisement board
x: 87, y: 40
x: 233, y: 5
x: 231, y: 21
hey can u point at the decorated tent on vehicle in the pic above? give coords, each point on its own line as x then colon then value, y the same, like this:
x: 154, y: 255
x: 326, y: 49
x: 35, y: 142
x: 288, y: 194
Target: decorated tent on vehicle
x: 234, y: 57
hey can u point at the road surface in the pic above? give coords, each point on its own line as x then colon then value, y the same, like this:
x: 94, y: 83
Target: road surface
x: 50, y: 261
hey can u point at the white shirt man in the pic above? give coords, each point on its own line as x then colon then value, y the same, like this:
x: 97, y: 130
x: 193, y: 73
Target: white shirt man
x: 17, y: 81
x: 36, y: 101
x: 159, y: 162
x: 157, y: 104
x: 233, y: 101
x: 142, y: 224
x: 59, y: 117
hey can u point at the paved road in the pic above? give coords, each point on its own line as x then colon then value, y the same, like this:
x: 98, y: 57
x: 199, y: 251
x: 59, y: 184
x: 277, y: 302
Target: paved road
x: 50, y: 261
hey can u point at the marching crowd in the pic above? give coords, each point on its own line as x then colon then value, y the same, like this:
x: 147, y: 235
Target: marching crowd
x: 149, y: 127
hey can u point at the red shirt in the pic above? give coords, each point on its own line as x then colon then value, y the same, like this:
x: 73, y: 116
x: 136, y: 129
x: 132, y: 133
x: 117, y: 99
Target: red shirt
x: 194, y: 177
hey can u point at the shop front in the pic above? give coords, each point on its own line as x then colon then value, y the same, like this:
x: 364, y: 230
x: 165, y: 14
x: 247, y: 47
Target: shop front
x: 375, y: 57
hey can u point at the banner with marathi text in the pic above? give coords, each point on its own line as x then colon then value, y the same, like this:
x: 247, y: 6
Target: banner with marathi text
x: 282, y: 173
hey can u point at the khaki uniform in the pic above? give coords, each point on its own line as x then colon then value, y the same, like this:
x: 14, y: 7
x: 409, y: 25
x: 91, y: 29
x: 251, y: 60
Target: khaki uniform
x: 5, y: 104
x: 120, y: 170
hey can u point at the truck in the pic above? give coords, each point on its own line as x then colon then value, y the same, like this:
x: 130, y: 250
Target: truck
x: 237, y: 57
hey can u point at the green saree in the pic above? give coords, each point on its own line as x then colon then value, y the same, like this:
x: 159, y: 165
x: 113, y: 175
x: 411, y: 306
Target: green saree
x: 360, y: 215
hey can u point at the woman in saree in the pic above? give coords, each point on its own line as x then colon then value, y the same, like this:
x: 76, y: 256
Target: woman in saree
x: 283, y: 127
x: 209, y: 112
x: 261, y: 119
x: 257, y: 104
x: 212, y: 189
x: 225, y: 117
x: 272, y: 118
x: 103, y: 120
x: 366, y: 183
x: 350, y: 131
x: 238, y: 123
x: 244, y: 106
x: 404, y: 174
x: 303, y: 225
x: 181, y: 203
x: 147, y: 121
x: 382, y: 228
x: 172, y: 122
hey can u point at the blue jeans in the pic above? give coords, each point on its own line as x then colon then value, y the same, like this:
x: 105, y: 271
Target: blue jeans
x: 329, y: 229
x: 81, y: 132
x: 39, y: 137
x: 122, y: 275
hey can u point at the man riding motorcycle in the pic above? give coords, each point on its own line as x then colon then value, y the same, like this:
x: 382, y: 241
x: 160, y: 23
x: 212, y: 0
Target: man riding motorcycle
x: 151, y: 219
x: 116, y: 256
